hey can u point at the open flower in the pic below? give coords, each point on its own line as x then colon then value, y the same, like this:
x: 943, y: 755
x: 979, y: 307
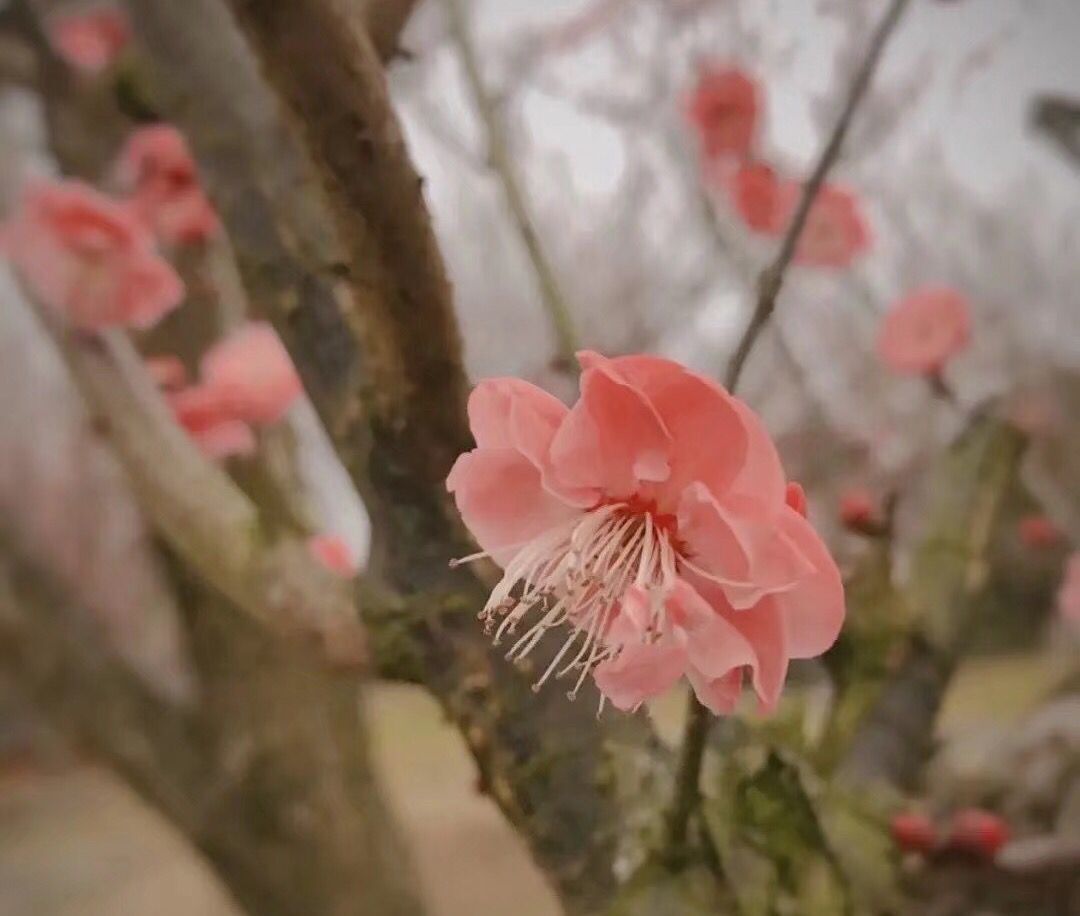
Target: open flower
x: 924, y: 330
x: 84, y: 257
x: 650, y: 523
x: 157, y: 168
x: 252, y: 375
x: 756, y: 196
x: 836, y: 231
x: 91, y: 40
x: 724, y: 108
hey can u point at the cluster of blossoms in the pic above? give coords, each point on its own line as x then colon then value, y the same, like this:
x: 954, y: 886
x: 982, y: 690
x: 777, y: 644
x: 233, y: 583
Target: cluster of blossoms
x: 85, y: 258
x: 245, y: 380
x: 90, y: 40
x: 971, y: 832
x: 157, y: 171
x: 725, y: 111
x: 652, y: 523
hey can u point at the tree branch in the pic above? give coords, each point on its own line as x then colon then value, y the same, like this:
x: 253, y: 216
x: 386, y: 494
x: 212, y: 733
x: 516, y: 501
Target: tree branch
x: 335, y: 244
x: 772, y: 278
x: 203, y: 516
x: 1059, y: 118
x: 268, y: 774
x: 499, y: 158
x: 385, y: 20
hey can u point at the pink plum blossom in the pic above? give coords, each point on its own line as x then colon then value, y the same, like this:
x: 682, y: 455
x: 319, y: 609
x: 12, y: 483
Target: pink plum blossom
x: 157, y: 168
x: 724, y: 109
x: 252, y: 374
x: 836, y: 230
x: 82, y: 256
x: 651, y: 523
x: 1068, y: 597
x: 924, y: 330
x: 332, y: 552
x: 204, y: 415
x: 91, y: 40
x: 756, y: 196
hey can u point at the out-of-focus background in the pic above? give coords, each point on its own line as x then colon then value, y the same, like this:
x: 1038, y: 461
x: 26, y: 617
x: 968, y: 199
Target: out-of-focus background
x: 963, y: 182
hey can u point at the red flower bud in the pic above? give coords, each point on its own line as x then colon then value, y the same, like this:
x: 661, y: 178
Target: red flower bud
x: 978, y: 832
x: 914, y: 832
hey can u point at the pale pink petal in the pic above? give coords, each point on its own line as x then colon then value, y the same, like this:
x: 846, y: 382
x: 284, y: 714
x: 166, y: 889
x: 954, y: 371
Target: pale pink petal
x: 511, y: 413
x: 502, y: 500
x: 739, y: 545
x: 227, y: 439
x: 706, y: 424
x: 763, y: 626
x: 719, y: 695
x: 640, y: 672
x: 813, y: 611
x: 924, y: 330
x: 253, y: 374
x: 714, y: 647
x: 610, y: 442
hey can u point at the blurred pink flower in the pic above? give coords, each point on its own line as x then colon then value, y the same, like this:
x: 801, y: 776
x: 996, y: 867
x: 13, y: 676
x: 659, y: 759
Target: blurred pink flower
x: 91, y: 40
x: 924, y: 330
x: 1038, y: 531
x: 649, y: 521
x: 836, y: 231
x: 858, y: 508
x: 167, y: 371
x: 334, y: 553
x: 724, y: 109
x: 756, y: 196
x: 977, y: 832
x: 83, y: 256
x: 252, y: 375
x: 1068, y: 597
x: 203, y: 414
x: 156, y: 167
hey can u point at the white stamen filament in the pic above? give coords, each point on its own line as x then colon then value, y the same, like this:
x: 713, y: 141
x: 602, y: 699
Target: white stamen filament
x: 575, y: 574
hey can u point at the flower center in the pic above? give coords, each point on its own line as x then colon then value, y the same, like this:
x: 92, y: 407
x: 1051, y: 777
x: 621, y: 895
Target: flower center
x: 574, y: 575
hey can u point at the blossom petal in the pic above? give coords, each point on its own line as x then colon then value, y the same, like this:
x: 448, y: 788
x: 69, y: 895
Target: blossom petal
x: 641, y: 671
x: 763, y: 627
x: 502, y: 499
x: 708, y: 433
x: 813, y: 611
x: 511, y: 413
x: 718, y: 695
x: 610, y: 442
x: 714, y: 647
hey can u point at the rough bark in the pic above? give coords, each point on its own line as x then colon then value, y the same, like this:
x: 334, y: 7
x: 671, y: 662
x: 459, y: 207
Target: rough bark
x: 371, y: 327
x: 268, y: 775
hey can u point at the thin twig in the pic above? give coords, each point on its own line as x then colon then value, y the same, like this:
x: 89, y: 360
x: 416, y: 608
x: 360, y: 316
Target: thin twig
x: 687, y: 782
x: 498, y: 153
x: 772, y: 278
